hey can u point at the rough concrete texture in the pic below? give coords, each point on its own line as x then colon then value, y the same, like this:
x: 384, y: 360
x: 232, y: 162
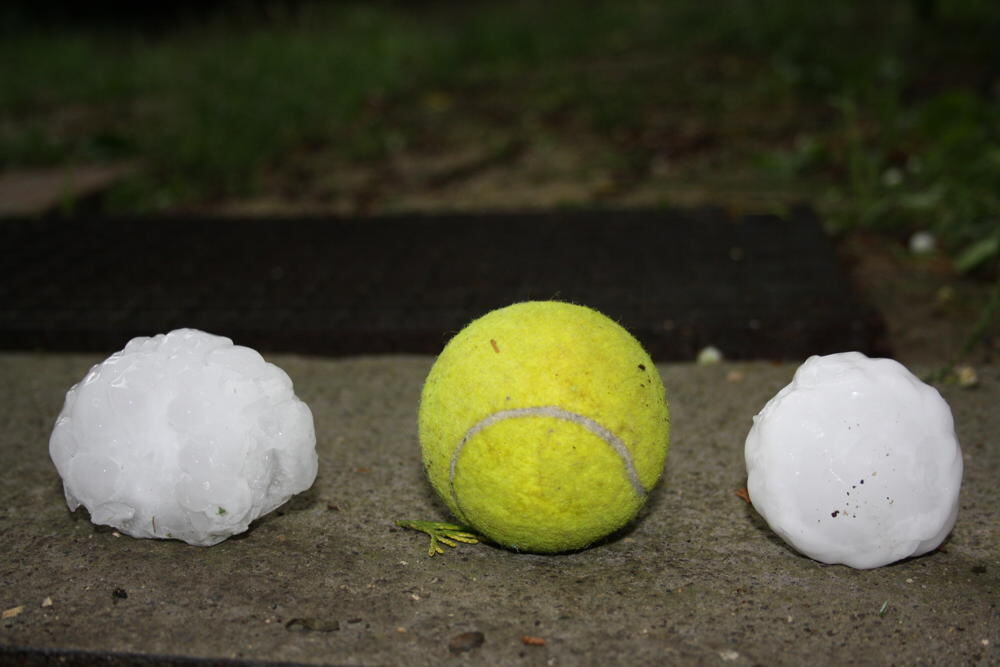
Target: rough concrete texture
x: 699, y: 579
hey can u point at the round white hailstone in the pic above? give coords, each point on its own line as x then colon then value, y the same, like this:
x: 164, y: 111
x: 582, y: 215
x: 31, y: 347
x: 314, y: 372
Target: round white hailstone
x: 923, y: 243
x: 855, y: 462
x: 183, y: 435
x: 709, y: 355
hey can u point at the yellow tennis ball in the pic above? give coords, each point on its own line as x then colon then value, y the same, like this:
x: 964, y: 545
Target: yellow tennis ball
x: 544, y: 426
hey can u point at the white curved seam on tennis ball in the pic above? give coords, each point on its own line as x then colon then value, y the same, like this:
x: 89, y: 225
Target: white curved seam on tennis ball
x: 554, y: 412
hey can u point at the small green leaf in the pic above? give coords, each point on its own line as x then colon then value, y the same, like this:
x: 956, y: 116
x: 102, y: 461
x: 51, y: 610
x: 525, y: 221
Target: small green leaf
x: 924, y: 200
x: 885, y: 607
x: 977, y: 253
x: 449, y: 534
x: 222, y: 510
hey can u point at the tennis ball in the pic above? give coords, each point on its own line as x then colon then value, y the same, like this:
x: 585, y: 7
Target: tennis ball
x: 543, y: 426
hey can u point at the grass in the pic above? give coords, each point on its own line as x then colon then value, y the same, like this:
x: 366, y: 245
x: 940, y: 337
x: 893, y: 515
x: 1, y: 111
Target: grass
x: 206, y: 106
x: 894, y: 109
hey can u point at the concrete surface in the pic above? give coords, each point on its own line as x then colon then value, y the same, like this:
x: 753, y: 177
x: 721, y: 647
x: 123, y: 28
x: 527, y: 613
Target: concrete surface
x: 699, y: 579
x: 38, y: 191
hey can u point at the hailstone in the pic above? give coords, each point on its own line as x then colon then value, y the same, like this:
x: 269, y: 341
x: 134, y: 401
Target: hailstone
x: 185, y: 436
x: 855, y: 462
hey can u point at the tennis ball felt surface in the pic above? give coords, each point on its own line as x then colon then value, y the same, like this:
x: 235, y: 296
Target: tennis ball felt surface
x: 544, y: 425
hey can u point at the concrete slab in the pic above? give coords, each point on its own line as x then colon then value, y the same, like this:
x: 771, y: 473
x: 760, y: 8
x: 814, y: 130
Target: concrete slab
x: 38, y: 191
x: 699, y: 579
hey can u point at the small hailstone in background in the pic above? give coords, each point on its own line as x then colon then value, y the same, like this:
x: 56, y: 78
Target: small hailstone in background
x: 923, y: 243
x: 855, y: 462
x: 183, y: 435
x: 709, y: 355
x: 892, y: 177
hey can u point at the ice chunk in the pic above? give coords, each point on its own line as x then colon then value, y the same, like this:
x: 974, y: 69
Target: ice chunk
x: 183, y: 435
x: 855, y: 462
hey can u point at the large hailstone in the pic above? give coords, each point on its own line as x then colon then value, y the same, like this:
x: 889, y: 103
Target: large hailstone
x: 855, y: 462
x: 183, y: 435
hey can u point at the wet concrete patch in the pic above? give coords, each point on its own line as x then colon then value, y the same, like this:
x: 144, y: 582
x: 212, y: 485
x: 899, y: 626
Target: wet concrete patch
x: 756, y: 287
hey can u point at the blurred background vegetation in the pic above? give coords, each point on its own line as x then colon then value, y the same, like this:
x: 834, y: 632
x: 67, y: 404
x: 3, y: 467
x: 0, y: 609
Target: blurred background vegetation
x: 885, y: 116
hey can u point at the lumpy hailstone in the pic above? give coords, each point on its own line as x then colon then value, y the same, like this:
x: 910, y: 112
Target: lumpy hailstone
x: 183, y: 435
x: 855, y: 462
